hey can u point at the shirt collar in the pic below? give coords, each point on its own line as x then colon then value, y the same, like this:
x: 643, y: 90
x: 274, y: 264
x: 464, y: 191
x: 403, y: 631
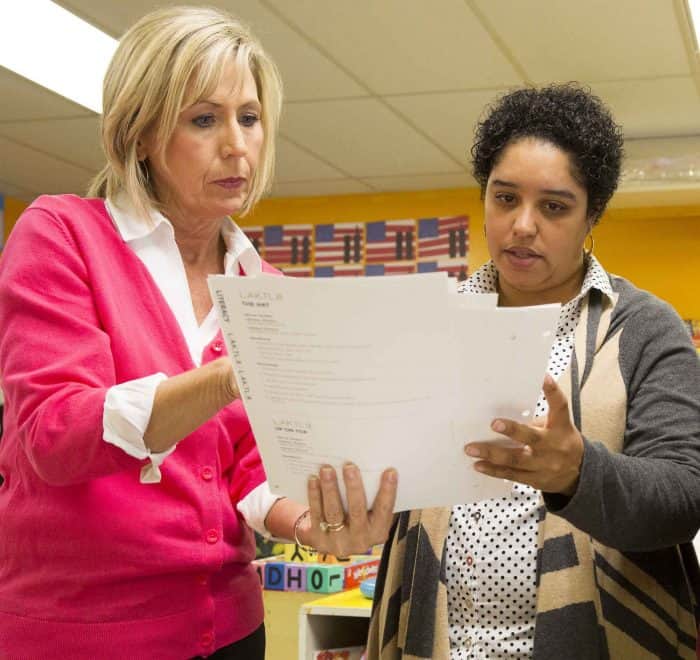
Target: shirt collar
x: 131, y: 227
x: 485, y: 280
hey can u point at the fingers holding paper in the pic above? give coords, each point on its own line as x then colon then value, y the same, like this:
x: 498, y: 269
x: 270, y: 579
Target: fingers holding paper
x: 340, y: 532
x: 547, y: 457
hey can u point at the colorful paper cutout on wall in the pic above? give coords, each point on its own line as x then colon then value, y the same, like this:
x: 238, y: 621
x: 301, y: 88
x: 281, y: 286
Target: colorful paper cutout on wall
x: 383, y: 247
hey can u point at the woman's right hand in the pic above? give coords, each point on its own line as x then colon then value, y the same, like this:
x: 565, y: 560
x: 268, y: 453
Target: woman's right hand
x: 333, y: 530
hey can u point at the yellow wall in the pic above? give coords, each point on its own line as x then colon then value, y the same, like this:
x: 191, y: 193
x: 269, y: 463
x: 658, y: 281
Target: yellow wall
x: 13, y: 209
x: 657, y: 248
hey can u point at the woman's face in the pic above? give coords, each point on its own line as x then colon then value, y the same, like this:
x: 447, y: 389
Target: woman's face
x: 536, y: 224
x: 206, y: 169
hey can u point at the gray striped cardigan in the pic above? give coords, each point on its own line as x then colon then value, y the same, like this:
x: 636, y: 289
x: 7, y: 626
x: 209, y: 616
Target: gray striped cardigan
x: 615, y: 562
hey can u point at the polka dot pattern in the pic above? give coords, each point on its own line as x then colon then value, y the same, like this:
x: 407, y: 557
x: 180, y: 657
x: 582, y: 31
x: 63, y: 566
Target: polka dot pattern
x: 491, y: 555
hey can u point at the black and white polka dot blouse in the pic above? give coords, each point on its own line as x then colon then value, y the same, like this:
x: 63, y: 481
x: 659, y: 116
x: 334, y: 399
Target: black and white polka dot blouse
x: 492, y: 544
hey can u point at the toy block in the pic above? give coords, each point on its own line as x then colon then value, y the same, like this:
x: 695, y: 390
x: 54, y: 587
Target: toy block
x: 295, y: 577
x: 293, y: 552
x: 324, y: 578
x: 361, y: 570
x: 274, y: 575
x: 259, y: 565
x: 325, y: 558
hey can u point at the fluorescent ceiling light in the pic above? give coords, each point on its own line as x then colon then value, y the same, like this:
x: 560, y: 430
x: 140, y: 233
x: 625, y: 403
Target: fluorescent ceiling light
x: 55, y: 49
x: 694, y: 6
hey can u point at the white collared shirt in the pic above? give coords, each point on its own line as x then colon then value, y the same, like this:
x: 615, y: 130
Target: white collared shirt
x: 128, y: 406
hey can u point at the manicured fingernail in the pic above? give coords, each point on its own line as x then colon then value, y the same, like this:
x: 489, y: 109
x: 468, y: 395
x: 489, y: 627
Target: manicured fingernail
x: 478, y: 467
x: 327, y: 473
x: 472, y: 451
x: 391, y: 476
x: 313, y: 481
x: 498, y: 426
x: 350, y: 471
x: 548, y: 381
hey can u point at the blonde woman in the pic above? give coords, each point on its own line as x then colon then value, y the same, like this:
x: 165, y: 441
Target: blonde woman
x: 131, y: 481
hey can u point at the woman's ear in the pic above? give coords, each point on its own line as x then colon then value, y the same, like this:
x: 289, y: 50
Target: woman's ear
x: 141, y: 154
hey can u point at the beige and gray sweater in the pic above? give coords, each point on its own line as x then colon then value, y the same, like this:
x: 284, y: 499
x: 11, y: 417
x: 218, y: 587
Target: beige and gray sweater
x: 615, y: 562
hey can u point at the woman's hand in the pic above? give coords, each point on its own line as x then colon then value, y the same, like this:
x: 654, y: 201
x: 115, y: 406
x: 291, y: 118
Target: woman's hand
x: 548, y: 457
x: 329, y: 528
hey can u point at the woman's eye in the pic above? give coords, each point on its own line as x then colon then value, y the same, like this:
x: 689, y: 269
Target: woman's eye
x: 505, y: 198
x: 204, y: 121
x: 249, y: 119
x: 554, y: 207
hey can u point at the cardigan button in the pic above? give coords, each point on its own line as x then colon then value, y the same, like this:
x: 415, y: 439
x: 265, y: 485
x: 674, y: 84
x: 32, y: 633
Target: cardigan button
x: 217, y: 347
x: 207, y: 473
x: 212, y: 536
x: 206, y: 639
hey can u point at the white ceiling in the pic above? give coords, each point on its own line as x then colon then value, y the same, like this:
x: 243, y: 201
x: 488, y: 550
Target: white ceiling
x: 383, y: 95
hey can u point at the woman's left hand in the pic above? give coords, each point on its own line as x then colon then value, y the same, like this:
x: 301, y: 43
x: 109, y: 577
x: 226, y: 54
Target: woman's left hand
x: 548, y: 457
x: 333, y: 530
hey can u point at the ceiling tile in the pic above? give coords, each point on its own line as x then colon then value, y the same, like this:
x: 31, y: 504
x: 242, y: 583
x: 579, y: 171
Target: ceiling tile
x: 591, y: 40
x: 363, y: 138
x: 23, y: 100
x: 295, y: 164
x: 315, y: 188
x: 306, y: 73
x: 74, y: 140
x: 426, y: 182
x: 31, y: 170
x: 449, y: 118
x: 396, y: 46
x: 653, y: 108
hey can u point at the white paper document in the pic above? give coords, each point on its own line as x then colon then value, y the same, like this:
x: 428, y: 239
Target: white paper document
x: 385, y: 372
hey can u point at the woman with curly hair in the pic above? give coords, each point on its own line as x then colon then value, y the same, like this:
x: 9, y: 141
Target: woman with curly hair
x: 589, y: 556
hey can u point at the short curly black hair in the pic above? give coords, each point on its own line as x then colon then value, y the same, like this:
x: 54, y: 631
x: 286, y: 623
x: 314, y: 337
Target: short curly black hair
x: 570, y: 117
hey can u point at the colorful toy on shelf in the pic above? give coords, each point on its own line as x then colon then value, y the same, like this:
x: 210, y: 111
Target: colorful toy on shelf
x: 316, y: 573
x: 367, y: 587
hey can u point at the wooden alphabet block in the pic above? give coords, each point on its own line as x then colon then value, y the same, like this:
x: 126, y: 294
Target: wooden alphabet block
x: 295, y: 577
x: 292, y: 552
x: 325, y: 578
x: 274, y: 575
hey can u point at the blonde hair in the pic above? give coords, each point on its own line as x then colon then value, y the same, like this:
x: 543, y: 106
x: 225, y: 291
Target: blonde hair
x: 168, y: 60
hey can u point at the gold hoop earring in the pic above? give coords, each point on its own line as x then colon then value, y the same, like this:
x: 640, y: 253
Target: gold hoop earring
x: 588, y: 252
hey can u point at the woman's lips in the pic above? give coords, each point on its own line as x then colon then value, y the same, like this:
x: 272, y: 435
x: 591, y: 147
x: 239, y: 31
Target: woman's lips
x: 230, y: 183
x: 521, y: 257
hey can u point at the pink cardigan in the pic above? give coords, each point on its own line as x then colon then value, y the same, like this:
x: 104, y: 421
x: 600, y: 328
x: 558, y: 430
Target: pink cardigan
x: 94, y: 564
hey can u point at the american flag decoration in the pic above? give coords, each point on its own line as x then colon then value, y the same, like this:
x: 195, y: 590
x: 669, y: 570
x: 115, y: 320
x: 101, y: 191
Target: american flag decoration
x: 298, y: 271
x: 288, y: 244
x: 339, y: 243
x: 339, y: 270
x: 255, y: 236
x: 390, y: 240
x: 352, y: 249
x: 453, y: 267
x: 395, y: 268
x: 443, y: 237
